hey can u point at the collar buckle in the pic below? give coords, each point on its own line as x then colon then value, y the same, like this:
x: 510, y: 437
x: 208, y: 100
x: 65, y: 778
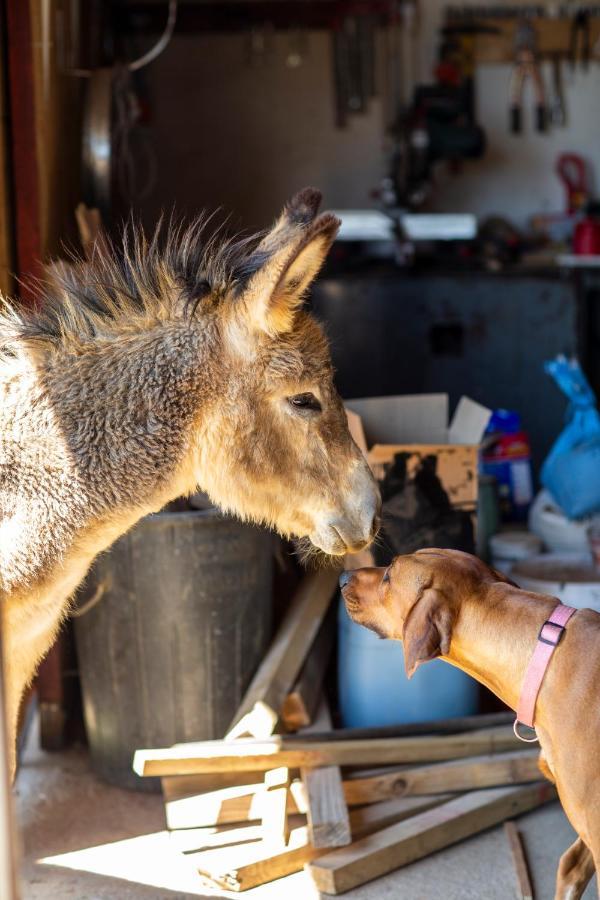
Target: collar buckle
x: 558, y: 634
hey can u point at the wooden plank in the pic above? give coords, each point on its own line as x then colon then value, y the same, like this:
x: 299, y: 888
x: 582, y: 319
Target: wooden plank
x: 326, y: 807
x: 6, y: 221
x: 247, y: 755
x: 244, y: 867
x: 518, y: 767
x: 403, y: 843
x: 259, y: 711
x: 28, y: 247
x: 226, y: 806
x: 8, y: 832
x: 327, y: 810
x: 244, y: 803
x: 300, y: 705
x: 552, y: 35
x: 275, y: 830
x: 524, y: 888
x: 177, y: 787
x: 459, y: 725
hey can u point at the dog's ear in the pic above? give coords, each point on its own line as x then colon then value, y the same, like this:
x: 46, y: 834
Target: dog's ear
x: 427, y: 630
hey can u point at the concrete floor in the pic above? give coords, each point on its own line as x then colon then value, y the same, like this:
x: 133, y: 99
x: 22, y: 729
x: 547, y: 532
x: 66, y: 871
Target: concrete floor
x: 87, y: 841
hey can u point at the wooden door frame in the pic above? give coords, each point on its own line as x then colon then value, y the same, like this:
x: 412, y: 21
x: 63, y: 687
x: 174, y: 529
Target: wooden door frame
x: 8, y: 839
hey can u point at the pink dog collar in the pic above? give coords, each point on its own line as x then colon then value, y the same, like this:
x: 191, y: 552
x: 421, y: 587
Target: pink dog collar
x: 549, y: 637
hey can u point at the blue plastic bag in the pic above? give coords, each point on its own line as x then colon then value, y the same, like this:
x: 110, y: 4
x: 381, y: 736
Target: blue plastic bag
x: 571, y: 471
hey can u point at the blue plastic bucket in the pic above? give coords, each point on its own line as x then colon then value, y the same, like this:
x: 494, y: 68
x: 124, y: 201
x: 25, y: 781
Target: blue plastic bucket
x: 374, y: 689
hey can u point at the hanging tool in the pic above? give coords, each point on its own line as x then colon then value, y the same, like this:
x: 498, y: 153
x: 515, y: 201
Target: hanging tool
x: 571, y: 169
x: 557, y: 109
x: 353, y: 46
x: 579, y: 42
x: 458, y: 48
x: 526, y: 68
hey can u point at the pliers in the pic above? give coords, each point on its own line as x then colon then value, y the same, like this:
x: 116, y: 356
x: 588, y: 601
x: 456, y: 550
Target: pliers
x: 526, y: 67
x: 580, y: 39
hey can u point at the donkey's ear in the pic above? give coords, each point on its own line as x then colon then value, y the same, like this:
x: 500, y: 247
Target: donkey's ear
x: 297, y: 215
x: 427, y: 630
x: 276, y: 290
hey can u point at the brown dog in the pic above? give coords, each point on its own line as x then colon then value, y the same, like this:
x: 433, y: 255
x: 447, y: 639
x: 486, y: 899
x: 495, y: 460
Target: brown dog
x: 447, y: 604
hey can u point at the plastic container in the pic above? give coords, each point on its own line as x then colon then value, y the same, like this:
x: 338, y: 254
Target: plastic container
x: 559, y: 534
x: 507, y: 456
x: 570, y: 577
x: 167, y: 652
x: 509, y: 547
x: 488, y: 515
x: 374, y: 689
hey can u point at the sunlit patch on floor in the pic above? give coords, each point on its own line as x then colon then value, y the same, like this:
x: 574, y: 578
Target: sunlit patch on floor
x: 154, y: 860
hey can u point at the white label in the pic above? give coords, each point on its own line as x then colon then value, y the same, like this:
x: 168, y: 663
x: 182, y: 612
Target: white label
x: 520, y: 472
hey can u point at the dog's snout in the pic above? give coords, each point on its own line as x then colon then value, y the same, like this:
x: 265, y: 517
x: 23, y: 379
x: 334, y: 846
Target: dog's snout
x: 345, y: 578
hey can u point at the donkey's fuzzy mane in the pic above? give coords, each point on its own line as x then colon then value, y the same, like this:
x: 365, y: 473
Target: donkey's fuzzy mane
x: 129, y: 285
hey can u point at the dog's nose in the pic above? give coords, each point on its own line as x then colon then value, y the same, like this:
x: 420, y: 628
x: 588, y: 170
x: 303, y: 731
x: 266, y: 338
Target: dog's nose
x: 345, y: 578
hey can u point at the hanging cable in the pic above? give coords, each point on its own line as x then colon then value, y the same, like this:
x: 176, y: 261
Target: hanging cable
x: 152, y: 54
x: 162, y: 42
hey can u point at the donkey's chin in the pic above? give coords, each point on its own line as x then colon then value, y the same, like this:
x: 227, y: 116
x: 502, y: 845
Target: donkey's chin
x: 332, y: 543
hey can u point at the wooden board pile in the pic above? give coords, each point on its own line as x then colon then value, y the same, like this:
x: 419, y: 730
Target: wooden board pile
x: 348, y: 804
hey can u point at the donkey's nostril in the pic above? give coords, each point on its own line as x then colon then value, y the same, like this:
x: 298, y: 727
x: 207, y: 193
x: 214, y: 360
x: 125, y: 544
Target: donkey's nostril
x: 345, y: 578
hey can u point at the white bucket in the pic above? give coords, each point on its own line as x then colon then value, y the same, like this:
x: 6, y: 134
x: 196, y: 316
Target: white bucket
x: 570, y: 577
x: 559, y: 534
x: 510, y: 547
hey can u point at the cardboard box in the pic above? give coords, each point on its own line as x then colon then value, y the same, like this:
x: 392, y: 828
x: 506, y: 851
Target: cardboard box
x: 414, y: 432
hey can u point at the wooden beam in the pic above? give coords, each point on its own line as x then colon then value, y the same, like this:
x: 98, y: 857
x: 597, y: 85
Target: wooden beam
x: 247, y: 866
x: 8, y: 834
x: 225, y: 806
x: 327, y: 811
x: 524, y: 888
x: 24, y: 141
x: 244, y: 803
x: 178, y: 787
x: 248, y: 755
x: 459, y: 725
x: 6, y: 199
x: 275, y: 830
x: 300, y: 705
x: 518, y: 767
x: 181, y: 787
x: 395, y: 846
x: 259, y: 711
x: 326, y: 807
x: 552, y: 37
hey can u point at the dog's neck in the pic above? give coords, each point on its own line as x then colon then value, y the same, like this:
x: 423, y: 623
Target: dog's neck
x: 494, y: 637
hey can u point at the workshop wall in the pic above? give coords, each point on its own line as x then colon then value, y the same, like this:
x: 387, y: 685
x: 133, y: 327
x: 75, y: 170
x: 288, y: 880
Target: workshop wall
x: 516, y: 176
x: 248, y: 156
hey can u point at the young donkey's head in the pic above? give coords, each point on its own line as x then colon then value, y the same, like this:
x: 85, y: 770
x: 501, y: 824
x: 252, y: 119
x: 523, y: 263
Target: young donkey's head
x: 277, y: 448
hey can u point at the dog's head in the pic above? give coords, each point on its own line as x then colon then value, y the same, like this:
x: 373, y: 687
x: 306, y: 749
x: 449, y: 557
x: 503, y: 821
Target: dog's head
x: 416, y: 599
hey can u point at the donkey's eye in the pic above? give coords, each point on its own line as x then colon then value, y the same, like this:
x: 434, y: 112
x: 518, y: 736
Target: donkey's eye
x: 305, y: 403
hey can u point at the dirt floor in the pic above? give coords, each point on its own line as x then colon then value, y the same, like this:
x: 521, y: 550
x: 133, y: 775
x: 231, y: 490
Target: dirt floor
x: 87, y: 841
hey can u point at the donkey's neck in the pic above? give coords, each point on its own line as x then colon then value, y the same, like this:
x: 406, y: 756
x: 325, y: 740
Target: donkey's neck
x: 98, y: 440
x: 495, y: 635
x: 126, y: 411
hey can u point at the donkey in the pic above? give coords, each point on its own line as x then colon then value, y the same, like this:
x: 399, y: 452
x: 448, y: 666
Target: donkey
x: 151, y: 371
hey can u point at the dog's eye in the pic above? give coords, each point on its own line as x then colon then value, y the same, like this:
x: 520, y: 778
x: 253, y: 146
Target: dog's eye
x: 304, y: 403
x: 386, y: 576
